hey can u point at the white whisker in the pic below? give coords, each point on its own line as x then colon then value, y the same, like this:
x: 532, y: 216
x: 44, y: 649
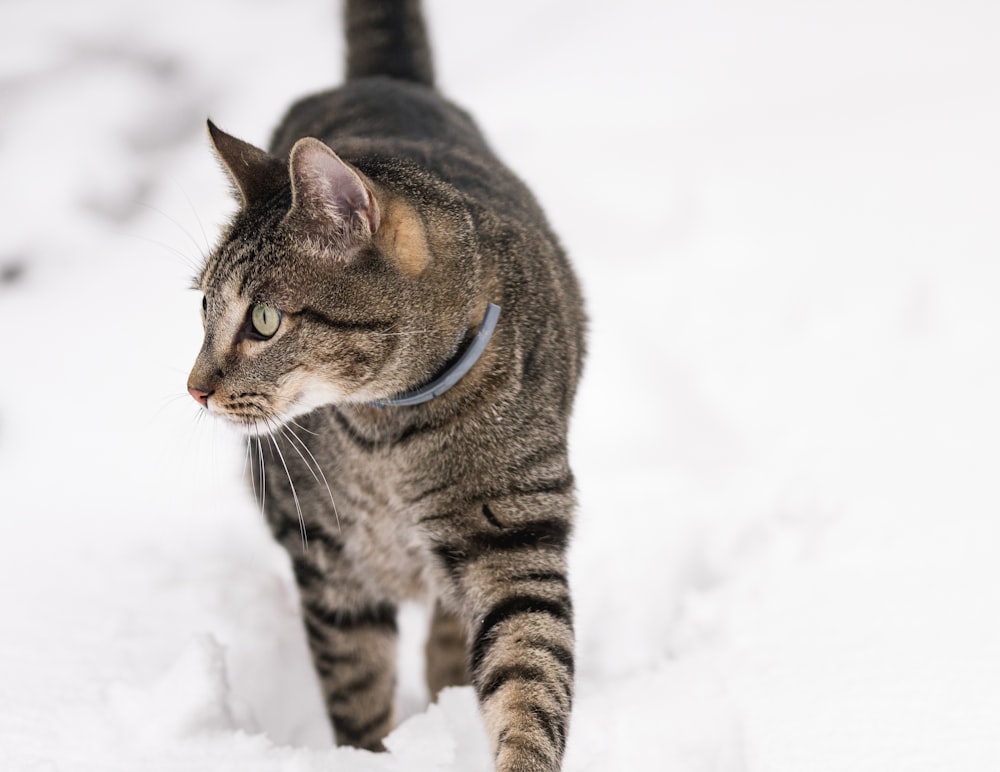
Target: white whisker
x: 295, y: 497
x: 291, y: 434
x: 248, y: 463
x: 180, y: 227
x: 188, y: 261
x: 263, y: 474
x: 297, y: 425
x: 197, y: 217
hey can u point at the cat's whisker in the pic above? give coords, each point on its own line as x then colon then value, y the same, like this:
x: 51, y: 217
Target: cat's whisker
x: 194, y: 211
x: 297, y: 425
x: 247, y: 464
x: 295, y: 496
x: 288, y: 434
x: 168, y: 398
x: 180, y: 227
x: 187, y: 260
x: 263, y: 474
x: 291, y: 434
x: 164, y: 403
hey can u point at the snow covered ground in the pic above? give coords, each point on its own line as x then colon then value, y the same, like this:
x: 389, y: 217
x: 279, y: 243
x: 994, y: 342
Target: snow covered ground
x: 785, y: 215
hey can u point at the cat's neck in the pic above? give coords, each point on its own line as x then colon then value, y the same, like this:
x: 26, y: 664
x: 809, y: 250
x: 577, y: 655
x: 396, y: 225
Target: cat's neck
x: 453, y: 371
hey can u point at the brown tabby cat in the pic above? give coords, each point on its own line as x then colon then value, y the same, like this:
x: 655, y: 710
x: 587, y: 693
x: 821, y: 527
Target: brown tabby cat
x: 355, y: 292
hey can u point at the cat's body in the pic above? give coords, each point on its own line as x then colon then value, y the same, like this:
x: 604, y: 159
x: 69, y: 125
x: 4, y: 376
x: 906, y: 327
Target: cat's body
x: 339, y: 285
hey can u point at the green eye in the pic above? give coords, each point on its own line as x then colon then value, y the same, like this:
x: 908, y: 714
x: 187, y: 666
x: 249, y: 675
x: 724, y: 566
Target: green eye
x: 265, y: 320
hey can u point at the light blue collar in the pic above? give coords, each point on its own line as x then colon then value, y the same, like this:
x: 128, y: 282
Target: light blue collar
x: 453, y: 374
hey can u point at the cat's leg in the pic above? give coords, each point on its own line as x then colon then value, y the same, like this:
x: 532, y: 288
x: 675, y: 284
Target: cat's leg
x: 447, y: 652
x: 509, y: 570
x: 353, y: 642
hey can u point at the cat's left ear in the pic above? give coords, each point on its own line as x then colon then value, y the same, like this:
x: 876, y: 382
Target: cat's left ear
x: 329, y: 198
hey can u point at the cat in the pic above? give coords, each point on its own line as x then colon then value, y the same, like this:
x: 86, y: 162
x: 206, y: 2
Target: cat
x: 389, y: 314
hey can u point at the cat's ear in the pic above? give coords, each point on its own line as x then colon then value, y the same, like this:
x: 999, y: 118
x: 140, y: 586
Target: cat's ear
x: 256, y: 175
x: 329, y: 198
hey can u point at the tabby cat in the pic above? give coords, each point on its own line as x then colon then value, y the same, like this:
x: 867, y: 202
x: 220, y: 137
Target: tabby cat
x: 390, y: 316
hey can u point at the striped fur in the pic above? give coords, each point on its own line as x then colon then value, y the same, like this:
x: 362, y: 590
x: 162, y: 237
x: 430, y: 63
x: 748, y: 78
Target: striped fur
x: 465, y: 501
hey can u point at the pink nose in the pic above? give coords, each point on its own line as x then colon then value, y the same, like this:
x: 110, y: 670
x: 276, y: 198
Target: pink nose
x: 201, y: 397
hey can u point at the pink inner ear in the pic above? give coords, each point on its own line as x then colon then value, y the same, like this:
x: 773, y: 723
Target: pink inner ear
x: 321, y: 181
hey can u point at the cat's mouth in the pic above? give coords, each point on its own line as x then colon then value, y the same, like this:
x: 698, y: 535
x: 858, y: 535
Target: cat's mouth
x: 246, y: 413
x: 258, y: 414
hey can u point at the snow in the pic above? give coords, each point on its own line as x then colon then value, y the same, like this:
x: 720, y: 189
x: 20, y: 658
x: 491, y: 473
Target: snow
x: 785, y: 218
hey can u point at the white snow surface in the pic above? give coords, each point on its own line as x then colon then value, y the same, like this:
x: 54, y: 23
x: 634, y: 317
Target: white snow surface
x: 785, y: 216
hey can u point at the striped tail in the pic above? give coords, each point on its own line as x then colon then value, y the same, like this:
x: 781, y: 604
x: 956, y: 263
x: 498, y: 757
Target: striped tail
x: 388, y: 37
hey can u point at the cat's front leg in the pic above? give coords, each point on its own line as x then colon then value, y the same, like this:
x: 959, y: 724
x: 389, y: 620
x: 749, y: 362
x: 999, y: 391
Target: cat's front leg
x: 353, y: 641
x: 509, y: 571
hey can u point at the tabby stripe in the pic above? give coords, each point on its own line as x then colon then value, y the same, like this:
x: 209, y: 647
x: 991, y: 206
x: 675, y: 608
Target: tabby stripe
x: 504, y: 675
x: 344, y: 658
x: 491, y: 518
x: 542, y: 534
x: 283, y: 529
x: 558, y: 652
x: 530, y: 357
x: 560, y: 485
x: 382, y: 615
x: 238, y: 262
x: 554, y: 577
x: 553, y: 726
x: 353, y: 732
x: 438, y: 516
x: 551, y: 534
x: 514, y: 606
x: 415, y: 430
x: 536, y: 459
x: 558, y: 688
x: 315, y: 632
x: 326, y: 661
x: 306, y: 573
x: 353, y: 434
x: 345, y: 324
x: 350, y: 690
x: 330, y: 541
x: 452, y: 558
x: 429, y: 492
x: 289, y: 526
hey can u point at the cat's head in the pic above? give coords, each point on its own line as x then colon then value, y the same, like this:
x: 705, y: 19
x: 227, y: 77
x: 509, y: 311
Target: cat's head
x: 326, y: 287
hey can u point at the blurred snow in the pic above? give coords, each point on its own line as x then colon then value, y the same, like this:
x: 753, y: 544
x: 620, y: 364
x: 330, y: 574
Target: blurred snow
x: 785, y: 218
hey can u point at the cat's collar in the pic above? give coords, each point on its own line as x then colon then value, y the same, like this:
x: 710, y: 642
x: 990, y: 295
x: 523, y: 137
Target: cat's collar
x: 453, y: 374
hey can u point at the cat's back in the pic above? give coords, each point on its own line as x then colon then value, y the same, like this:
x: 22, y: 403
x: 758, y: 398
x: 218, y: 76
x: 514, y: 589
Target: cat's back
x: 374, y: 120
x: 379, y: 109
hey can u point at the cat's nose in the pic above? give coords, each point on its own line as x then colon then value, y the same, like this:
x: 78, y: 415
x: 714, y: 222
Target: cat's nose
x: 201, y: 397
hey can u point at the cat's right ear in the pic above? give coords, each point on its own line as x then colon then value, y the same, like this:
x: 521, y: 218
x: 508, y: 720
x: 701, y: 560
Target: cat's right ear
x: 256, y: 175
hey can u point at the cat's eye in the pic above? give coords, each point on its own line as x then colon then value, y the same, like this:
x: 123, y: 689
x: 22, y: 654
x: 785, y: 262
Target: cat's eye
x: 265, y: 320
x: 204, y: 304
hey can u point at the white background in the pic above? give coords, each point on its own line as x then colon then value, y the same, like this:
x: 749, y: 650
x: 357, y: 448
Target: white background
x: 784, y: 215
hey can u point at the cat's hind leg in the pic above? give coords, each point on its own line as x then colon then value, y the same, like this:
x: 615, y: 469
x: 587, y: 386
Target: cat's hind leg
x: 447, y: 652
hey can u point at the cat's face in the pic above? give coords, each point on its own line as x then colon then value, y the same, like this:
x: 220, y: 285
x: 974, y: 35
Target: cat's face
x: 270, y: 354
x: 314, y: 295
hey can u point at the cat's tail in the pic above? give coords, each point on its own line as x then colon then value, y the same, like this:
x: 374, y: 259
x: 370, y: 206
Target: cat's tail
x: 388, y: 37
